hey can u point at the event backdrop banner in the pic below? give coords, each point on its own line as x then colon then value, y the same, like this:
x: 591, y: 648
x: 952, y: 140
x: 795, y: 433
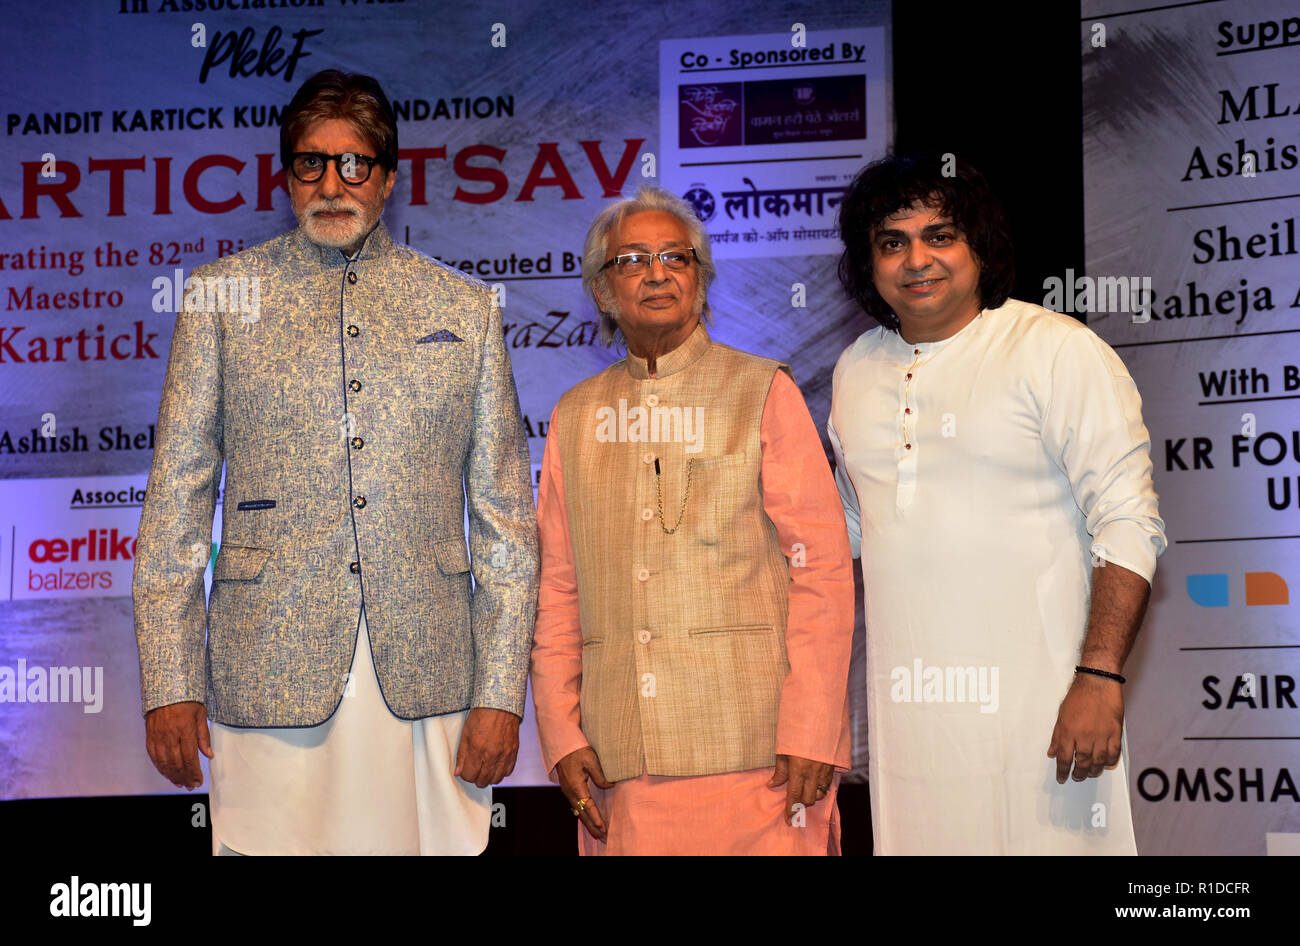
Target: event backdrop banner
x: 1192, y: 183
x: 797, y: 129
x: 132, y: 158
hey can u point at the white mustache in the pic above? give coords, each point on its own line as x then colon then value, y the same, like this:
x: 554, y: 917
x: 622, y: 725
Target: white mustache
x: 332, y: 206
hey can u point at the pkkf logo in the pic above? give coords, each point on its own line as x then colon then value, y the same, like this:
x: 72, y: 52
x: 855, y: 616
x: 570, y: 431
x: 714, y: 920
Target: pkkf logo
x: 1213, y: 591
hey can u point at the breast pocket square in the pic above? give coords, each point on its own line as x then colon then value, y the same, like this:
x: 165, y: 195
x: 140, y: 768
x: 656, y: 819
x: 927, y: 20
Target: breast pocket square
x: 442, y: 335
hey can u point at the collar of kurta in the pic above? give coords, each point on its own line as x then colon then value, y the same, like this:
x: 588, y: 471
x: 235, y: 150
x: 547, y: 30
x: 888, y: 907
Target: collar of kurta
x: 377, y: 243
x: 683, y: 356
x: 924, y: 348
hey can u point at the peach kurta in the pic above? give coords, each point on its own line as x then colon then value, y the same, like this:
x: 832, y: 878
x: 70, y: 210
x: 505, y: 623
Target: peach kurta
x: 730, y: 812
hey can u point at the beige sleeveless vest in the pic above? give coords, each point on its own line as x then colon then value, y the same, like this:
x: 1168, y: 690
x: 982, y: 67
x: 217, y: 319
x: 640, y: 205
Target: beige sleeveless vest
x: 683, y: 655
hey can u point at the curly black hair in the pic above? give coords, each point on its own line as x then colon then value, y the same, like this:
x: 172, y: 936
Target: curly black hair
x: 895, y: 183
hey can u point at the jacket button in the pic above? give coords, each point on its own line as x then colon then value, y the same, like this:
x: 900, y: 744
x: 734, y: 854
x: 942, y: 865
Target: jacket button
x: 354, y: 385
x: 648, y: 458
x: 352, y: 278
x: 355, y: 568
x: 652, y: 400
x: 643, y: 637
x: 647, y: 514
x: 357, y: 443
x: 353, y: 331
x: 643, y: 575
x: 359, y: 502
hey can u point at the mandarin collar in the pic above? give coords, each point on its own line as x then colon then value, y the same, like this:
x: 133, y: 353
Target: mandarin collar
x: 922, y: 348
x: 376, y: 244
x: 669, y: 363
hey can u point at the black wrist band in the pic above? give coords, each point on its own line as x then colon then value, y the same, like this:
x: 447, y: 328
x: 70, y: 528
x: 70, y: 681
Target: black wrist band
x: 1101, y: 673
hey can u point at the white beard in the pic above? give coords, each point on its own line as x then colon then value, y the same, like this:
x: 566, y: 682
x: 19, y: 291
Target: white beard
x: 336, y: 234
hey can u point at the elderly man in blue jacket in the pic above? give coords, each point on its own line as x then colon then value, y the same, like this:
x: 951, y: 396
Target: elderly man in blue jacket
x: 364, y: 699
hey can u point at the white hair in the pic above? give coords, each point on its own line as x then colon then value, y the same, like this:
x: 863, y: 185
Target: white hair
x: 595, y: 251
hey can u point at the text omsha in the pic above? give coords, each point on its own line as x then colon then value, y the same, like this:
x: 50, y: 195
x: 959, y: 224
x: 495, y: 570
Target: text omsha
x: 684, y: 425
x: 25, y: 684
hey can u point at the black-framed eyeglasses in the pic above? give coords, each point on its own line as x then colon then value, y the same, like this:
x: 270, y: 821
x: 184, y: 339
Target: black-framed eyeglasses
x: 309, y: 166
x: 634, y: 264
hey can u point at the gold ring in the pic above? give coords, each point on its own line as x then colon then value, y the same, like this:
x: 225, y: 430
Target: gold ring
x: 582, y: 806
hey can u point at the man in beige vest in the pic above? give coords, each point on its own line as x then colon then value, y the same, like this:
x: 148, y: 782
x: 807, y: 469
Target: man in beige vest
x: 690, y: 662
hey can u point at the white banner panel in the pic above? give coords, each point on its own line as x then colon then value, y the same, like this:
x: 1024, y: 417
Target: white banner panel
x: 1192, y: 172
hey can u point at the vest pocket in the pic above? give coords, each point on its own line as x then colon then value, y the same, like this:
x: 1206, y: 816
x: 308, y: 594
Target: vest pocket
x: 451, y: 555
x: 731, y: 682
x: 733, y: 629
x: 239, y: 563
x: 714, y: 482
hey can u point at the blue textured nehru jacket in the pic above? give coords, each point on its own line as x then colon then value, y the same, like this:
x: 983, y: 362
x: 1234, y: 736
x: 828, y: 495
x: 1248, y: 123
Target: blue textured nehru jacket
x: 358, y: 406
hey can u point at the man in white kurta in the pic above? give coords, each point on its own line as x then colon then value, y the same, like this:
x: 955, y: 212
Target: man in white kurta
x: 986, y: 474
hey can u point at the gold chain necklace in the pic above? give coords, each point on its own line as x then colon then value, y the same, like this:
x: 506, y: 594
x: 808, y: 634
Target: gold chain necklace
x: 686, y: 495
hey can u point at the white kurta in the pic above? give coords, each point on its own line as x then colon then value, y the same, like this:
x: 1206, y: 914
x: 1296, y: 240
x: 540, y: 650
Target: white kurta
x: 1027, y: 453
x: 362, y: 782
